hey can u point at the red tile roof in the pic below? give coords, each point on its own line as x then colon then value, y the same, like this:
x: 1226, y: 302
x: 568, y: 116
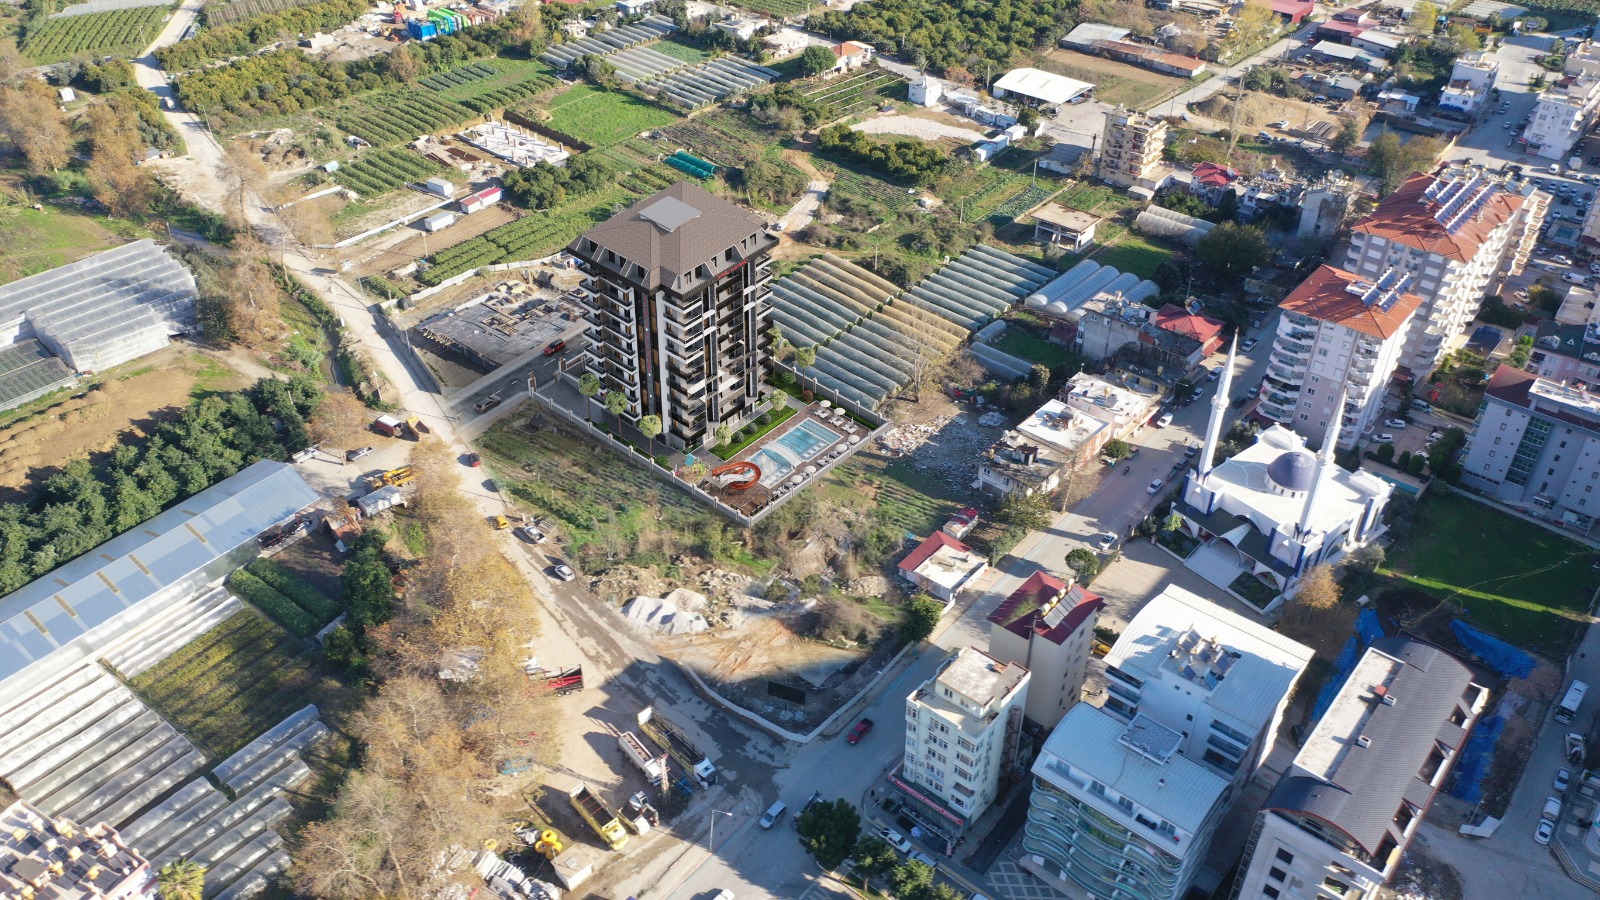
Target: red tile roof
x: 1178, y: 320
x: 849, y: 48
x: 1407, y: 217
x: 1294, y: 9
x: 928, y: 548
x: 1019, y: 613
x: 1214, y: 175
x: 1323, y: 296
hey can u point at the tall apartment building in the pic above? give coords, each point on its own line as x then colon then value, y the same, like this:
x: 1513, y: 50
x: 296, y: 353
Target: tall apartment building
x: 962, y: 728
x: 1564, y: 111
x: 1046, y: 625
x: 1338, y: 331
x: 1131, y: 146
x: 1536, y: 443
x: 676, y: 303
x: 1458, y: 231
x: 1339, y: 820
x: 1126, y: 797
x: 41, y: 857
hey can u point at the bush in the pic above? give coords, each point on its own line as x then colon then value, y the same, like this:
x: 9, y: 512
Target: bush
x: 1385, y: 453
x: 263, y: 597
x: 279, y: 578
x: 807, y: 396
x: 766, y: 417
x: 1417, y: 464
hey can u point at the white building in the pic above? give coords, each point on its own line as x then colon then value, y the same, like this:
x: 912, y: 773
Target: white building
x: 1537, y: 444
x: 942, y: 566
x: 1039, y: 87
x: 962, y: 729
x: 786, y: 42
x: 1458, y: 231
x: 1471, y: 79
x: 1016, y: 465
x: 1564, y: 111
x: 1338, y: 332
x: 1126, y: 797
x: 55, y: 858
x: 1341, y: 818
x: 1275, y: 509
x: 1046, y: 626
x: 926, y: 91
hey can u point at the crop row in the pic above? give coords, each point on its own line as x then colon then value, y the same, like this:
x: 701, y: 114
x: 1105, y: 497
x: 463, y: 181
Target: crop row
x: 238, y: 630
x: 239, y: 10
x: 868, y: 188
x: 649, y: 180
x: 1020, y: 204
x: 778, y: 8
x: 500, y: 98
x: 121, y: 32
x: 267, y: 599
x: 392, y: 117
x: 467, y: 74
x: 248, y: 646
x: 526, y: 238
x: 304, y: 594
x: 381, y: 171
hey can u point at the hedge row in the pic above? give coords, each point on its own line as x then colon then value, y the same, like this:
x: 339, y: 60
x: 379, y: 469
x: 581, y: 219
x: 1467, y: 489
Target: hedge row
x: 278, y: 577
x: 268, y: 600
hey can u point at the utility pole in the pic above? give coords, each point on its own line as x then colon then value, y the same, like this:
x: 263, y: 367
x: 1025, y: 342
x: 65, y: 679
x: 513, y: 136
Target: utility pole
x: 1233, y: 122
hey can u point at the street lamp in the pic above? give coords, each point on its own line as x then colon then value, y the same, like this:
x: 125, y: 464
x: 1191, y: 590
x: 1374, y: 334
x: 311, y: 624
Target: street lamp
x: 711, y: 842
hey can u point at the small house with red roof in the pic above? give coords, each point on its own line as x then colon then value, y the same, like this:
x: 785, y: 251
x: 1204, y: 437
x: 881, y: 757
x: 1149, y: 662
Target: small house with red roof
x: 1210, y: 181
x: 943, y: 565
x: 1204, y: 330
x: 1292, y: 11
x: 1046, y: 626
x: 851, y: 55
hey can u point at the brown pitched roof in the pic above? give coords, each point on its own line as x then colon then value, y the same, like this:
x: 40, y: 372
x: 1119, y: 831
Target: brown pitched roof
x: 1407, y: 217
x: 1324, y: 296
x: 673, y: 232
x: 1020, y: 612
x: 925, y: 551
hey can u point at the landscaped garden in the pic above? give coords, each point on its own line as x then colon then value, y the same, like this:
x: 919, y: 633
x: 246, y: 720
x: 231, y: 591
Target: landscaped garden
x: 1523, y: 582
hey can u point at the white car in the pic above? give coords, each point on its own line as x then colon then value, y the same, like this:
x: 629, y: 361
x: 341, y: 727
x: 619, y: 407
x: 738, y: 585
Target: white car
x: 925, y: 859
x: 1563, y: 778
x: 1396, y: 423
x: 1164, y: 421
x: 563, y: 571
x: 1248, y: 345
x: 1154, y: 486
x: 1541, y: 834
x: 1106, y: 542
x: 1593, y: 267
x: 1563, y: 260
x: 531, y: 534
x: 1384, y: 438
x: 895, y: 840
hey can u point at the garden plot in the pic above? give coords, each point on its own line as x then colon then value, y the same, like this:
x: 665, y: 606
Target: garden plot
x: 723, y: 138
x: 381, y: 171
x: 859, y: 92
x: 643, y: 64
x: 710, y: 82
x: 121, y: 32
x: 605, y: 118
x: 562, y: 56
x: 239, y: 10
x: 492, y: 84
x: 917, y: 127
x: 386, y: 118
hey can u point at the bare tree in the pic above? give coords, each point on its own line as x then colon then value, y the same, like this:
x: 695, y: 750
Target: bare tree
x: 340, y: 421
x: 34, y: 124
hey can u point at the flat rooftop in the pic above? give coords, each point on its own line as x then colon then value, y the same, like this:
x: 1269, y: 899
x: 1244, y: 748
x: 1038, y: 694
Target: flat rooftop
x: 980, y: 677
x: 498, y: 327
x: 1060, y: 426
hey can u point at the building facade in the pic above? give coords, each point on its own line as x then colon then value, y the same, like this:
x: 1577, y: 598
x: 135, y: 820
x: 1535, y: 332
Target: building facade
x: 1016, y: 465
x: 1537, y: 444
x: 1131, y: 146
x: 1046, y: 626
x: 1340, y: 819
x: 962, y: 732
x: 1458, y: 232
x: 42, y: 857
x: 1564, y: 111
x: 1338, y: 332
x: 676, y: 301
x: 1472, y: 77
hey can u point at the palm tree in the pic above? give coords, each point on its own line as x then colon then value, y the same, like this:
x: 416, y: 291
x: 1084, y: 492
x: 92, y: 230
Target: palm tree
x: 804, y: 358
x: 589, y: 386
x: 181, y: 879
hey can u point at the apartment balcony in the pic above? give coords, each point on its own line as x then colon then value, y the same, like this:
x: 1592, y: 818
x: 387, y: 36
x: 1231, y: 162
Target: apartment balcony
x: 1287, y: 376
x: 1288, y: 359
x: 1278, y: 412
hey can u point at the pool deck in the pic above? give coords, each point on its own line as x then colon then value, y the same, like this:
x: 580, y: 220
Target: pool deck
x: 851, y: 435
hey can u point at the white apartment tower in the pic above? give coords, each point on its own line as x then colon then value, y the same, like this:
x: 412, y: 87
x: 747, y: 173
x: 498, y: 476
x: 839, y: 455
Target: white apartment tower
x: 1562, y: 114
x: 962, y: 728
x: 1338, y: 332
x: 1457, y: 231
x: 1131, y: 147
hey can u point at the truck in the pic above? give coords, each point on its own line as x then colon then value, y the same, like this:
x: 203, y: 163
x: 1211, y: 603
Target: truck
x: 388, y: 426
x: 392, y: 478
x: 671, y: 739
x: 602, y: 820
x: 418, y: 427
x: 1568, y: 709
x: 653, y: 767
x: 560, y: 681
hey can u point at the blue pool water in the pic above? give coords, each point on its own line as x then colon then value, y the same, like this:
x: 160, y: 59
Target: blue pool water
x: 788, y: 452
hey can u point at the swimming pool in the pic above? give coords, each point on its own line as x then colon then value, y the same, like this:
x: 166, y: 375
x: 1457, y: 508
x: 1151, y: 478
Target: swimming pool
x: 791, y: 450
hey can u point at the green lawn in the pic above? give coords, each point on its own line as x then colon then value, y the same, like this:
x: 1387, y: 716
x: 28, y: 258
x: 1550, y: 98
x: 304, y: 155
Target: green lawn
x: 1034, y: 348
x: 602, y: 118
x: 688, y: 54
x: 1522, y: 582
x: 36, y: 240
x: 1134, y: 252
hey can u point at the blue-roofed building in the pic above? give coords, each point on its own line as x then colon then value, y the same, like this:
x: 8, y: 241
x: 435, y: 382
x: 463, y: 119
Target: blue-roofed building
x: 106, y: 597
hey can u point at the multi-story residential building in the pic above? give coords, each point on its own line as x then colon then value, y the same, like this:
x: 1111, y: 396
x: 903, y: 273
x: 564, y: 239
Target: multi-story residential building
x: 1338, y: 332
x: 962, y: 731
x: 1537, y: 443
x: 1126, y: 797
x: 42, y: 857
x: 1341, y: 817
x: 1131, y: 146
x: 1016, y: 465
x: 1046, y: 626
x: 1471, y: 79
x: 676, y: 303
x: 1109, y: 322
x: 1569, y: 354
x: 1564, y: 111
x: 1458, y: 231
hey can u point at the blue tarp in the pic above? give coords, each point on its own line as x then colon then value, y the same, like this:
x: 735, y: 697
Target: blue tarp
x: 1467, y: 779
x: 1367, y: 626
x: 1493, y: 652
x: 1367, y: 631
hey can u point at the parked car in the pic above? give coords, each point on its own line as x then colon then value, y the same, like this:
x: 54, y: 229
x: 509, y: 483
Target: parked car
x: 858, y: 732
x: 555, y: 347
x: 563, y: 571
x: 925, y: 859
x: 1214, y: 374
x: 487, y: 403
x: 1422, y: 405
x: 353, y: 455
x: 1564, y: 260
x: 722, y: 895
x: 895, y: 839
x: 1541, y: 833
x: 473, y: 460
x: 1552, y: 809
x: 1106, y: 542
x: 531, y: 534
x: 1563, y: 778
x: 500, y: 523
x: 1154, y: 486
x: 1384, y: 438
x: 1164, y: 420
x: 773, y: 814
x: 815, y: 796
x: 1248, y: 345
x: 1396, y: 423
x: 1573, y: 278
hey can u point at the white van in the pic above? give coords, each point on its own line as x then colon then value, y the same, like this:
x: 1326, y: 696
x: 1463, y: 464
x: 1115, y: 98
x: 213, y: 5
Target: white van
x: 774, y: 813
x: 1552, y: 809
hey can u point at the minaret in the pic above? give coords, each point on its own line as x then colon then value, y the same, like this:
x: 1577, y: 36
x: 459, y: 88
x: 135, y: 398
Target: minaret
x: 1219, y: 409
x: 1325, y: 460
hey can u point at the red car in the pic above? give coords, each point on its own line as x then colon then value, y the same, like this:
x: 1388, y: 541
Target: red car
x: 474, y: 460
x: 555, y: 347
x: 858, y: 732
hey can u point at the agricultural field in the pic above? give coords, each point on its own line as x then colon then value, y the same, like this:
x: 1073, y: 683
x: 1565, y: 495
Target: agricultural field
x: 865, y: 186
x: 492, y: 84
x: 860, y: 92
x: 1115, y: 82
x: 778, y: 8
x: 725, y: 138
x: 275, y: 590
x: 121, y: 32
x: 684, y: 52
x: 527, y: 238
x: 1020, y: 203
x: 234, y: 682
x: 385, y: 118
x: 218, y: 14
x: 381, y: 171
x: 604, y: 118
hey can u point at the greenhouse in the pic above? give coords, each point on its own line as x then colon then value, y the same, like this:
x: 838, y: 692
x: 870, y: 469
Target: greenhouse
x: 605, y: 43
x: 643, y: 64
x: 979, y: 286
x: 1165, y: 223
x: 711, y: 81
x: 1063, y: 297
x: 29, y: 371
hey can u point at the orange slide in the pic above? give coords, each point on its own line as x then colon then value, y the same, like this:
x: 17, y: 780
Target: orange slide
x: 734, y: 468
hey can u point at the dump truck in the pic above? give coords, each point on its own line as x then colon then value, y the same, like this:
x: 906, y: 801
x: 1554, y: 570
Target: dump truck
x: 601, y: 819
x: 392, y: 478
x: 640, y: 807
x: 653, y: 767
x: 418, y: 427
x: 671, y: 739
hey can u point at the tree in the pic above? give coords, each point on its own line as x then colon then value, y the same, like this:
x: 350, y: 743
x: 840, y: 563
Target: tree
x: 804, y: 358
x: 724, y: 433
x: 1084, y: 562
x: 181, y: 879
x: 1349, y: 136
x: 340, y: 420
x: 368, y: 586
x: 1520, y: 353
x: 829, y: 829
x: 1231, y: 251
x: 616, y: 404
x: 919, y: 617
x: 1385, y: 453
x: 1392, y: 161
x: 816, y: 60
x: 1116, y: 449
x: 1425, y: 17
x: 30, y: 119
x: 1255, y: 23
x: 875, y: 858
x: 1028, y: 512
x: 1316, y: 617
x: 780, y: 344
x: 1028, y: 118
x: 912, y: 880
x: 588, y: 386
x: 1319, y: 589
x: 650, y: 426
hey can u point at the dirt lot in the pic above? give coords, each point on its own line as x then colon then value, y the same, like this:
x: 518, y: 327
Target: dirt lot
x: 1115, y: 82
x: 1260, y: 110
x: 154, y: 388
x: 409, y: 243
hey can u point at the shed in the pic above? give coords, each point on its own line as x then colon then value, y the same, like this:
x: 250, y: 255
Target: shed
x: 1040, y: 86
x: 473, y: 202
x: 439, y: 221
x: 1084, y: 36
x: 439, y: 186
